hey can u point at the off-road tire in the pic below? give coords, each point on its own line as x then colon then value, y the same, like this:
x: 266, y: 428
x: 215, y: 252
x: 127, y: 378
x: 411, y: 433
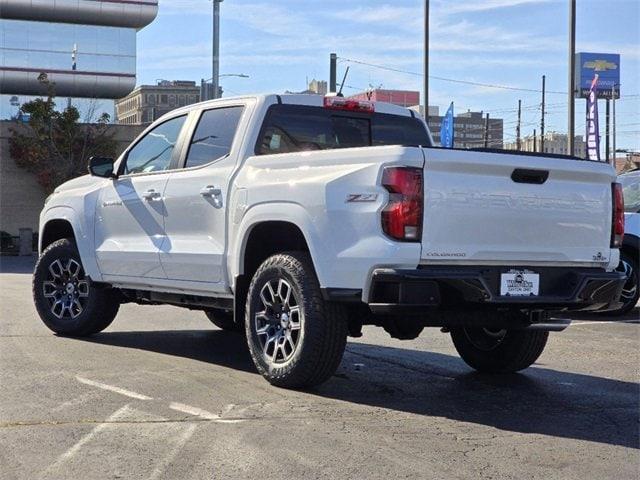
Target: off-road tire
x: 101, y: 303
x: 323, y: 332
x: 516, y: 351
x: 223, y: 319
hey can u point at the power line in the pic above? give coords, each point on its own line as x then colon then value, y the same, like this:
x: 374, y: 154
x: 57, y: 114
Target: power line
x: 464, y: 82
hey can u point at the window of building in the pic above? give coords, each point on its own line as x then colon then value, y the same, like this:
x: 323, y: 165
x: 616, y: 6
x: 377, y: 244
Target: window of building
x: 163, y: 99
x: 214, y: 135
x: 154, y: 152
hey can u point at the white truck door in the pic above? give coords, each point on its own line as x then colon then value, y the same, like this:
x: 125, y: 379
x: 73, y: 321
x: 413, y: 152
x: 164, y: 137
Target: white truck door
x: 130, y: 213
x: 196, y: 201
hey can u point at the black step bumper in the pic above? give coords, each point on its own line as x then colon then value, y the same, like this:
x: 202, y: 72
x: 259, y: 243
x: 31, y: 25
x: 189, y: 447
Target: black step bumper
x: 396, y: 291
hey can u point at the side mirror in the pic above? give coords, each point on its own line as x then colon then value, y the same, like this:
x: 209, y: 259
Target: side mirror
x: 101, y: 167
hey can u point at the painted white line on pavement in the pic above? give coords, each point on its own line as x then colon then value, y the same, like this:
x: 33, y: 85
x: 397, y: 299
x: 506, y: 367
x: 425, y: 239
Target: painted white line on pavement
x: 195, y: 411
x: 74, y: 449
x: 166, y: 461
x: 111, y: 388
x: 596, y: 322
x: 198, y: 412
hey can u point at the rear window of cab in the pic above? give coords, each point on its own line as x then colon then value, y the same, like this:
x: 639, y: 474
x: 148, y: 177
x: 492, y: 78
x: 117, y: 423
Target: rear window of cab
x: 298, y: 128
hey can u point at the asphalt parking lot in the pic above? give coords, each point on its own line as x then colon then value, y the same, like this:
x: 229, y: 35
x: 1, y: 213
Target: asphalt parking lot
x: 163, y: 394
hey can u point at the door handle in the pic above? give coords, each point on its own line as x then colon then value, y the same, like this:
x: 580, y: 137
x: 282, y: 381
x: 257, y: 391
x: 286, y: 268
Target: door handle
x: 210, y: 191
x: 150, y: 194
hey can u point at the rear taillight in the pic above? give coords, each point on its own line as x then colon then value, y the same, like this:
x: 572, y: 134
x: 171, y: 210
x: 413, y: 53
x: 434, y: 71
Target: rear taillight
x: 617, y: 218
x: 402, y: 216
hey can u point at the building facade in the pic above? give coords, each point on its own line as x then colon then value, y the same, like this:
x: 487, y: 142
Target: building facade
x: 553, y: 143
x: 86, y: 47
x: 469, y: 128
x: 404, y: 98
x: 149, y: 102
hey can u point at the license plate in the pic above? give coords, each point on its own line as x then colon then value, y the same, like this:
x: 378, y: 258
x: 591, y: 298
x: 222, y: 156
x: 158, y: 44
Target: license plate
x: 518, y: 283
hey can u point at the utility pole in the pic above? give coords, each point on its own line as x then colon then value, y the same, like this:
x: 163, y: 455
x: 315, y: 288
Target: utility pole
x: 535, y: 141
x: 542, y: 117
x: 572, y: 73
x: 215, y: 67
x: 333, y: 69
x: 606, y: 130
x: 518, y: 127
x: 426, y: 61
x: 486, y: 131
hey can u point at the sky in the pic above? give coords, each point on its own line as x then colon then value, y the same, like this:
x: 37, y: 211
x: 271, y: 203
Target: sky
x: 512, y: 43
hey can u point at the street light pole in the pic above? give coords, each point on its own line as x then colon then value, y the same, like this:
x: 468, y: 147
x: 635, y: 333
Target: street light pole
x: 215, y: 67
x: 426, y: 61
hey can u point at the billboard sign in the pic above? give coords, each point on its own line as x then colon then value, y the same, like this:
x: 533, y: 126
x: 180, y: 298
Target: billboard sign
x: 606, y: 66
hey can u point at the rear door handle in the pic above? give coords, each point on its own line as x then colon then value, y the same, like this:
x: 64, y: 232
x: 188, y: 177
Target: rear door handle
x: 525, y: 175
x: 210, y: 191
x: 150, y: 194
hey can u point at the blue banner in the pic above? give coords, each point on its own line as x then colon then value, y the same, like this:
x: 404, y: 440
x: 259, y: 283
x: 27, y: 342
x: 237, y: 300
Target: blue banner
x: 446, y: 129
x: 593, y: 130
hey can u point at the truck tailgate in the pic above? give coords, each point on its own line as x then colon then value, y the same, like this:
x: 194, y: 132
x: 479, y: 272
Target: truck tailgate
x: 495, y: 208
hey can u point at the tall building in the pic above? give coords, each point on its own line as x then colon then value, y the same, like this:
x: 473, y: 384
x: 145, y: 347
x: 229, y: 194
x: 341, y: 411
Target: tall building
x: 469, y: 128
x: 149, y: 102
x: 404, y: 98
x: 553, y: 143
x: 86, y: 47
x: 318, y: 86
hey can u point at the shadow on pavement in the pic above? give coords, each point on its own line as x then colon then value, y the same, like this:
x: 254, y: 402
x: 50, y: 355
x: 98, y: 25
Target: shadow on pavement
x: 11, y: 264
x: 539, y: 400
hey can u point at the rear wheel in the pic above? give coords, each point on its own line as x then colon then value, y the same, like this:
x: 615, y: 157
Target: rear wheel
x: 66, y: 299
x: 498, y: 351
x: 296, y: 339
x: 631, y: 288
x: 223, y: 319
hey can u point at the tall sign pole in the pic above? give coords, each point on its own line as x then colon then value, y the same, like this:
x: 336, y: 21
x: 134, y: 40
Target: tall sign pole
x: 333, y: 70
x: 572, y: 72
x: 215, y: 67
x: 426, y: 61
x: 613, y: 111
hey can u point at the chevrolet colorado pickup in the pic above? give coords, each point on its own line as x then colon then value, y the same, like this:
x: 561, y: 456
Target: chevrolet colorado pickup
x: 298, y: 219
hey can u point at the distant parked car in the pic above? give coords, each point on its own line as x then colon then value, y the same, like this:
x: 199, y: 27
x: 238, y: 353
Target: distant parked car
x: 630, y: 251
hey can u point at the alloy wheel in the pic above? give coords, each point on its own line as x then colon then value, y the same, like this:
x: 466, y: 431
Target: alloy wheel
x: 66, y: 288
x: 278, y: 323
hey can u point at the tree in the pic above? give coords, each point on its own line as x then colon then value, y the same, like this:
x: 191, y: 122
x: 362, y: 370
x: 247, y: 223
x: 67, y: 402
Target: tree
x: 54, y: 145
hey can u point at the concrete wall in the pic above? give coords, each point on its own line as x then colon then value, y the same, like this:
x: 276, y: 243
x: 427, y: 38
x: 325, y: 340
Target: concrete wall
x: 21, y: 197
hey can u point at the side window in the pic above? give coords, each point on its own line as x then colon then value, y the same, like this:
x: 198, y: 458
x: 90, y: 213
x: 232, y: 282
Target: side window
x: 153, y: 153
x: 213, y: 136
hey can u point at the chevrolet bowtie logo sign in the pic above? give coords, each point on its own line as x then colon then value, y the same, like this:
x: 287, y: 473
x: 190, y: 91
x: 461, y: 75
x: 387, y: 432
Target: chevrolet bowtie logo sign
x: 600, y: 65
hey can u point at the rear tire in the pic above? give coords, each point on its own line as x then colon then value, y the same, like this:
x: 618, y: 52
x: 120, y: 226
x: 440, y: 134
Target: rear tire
x: 295, y: 338
x: 68, y: 302
x: 631, y: 288
x: 223, y: 319
x: 498, y: 351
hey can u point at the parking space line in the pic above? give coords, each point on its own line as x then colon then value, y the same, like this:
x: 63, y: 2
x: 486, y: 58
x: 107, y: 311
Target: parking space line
x: 97, y: 429
x: 596, y: 322
x: 198, y: 412
x: 111, y: 388
x: 195, y: 411
x: 166, y: 461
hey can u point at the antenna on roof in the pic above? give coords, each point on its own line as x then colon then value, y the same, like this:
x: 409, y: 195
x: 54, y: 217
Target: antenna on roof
x: 344, y: 79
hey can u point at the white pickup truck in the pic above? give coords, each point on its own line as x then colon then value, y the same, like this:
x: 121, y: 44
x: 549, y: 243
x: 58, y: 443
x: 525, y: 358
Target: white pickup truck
x: 300, y: 218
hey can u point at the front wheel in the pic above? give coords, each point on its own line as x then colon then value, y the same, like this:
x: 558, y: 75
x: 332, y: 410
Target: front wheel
x: 498, y: 351
x: 66, y: 299
x: 295, y: 338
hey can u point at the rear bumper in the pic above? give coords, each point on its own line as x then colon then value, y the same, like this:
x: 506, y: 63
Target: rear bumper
x: 395, y: 291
